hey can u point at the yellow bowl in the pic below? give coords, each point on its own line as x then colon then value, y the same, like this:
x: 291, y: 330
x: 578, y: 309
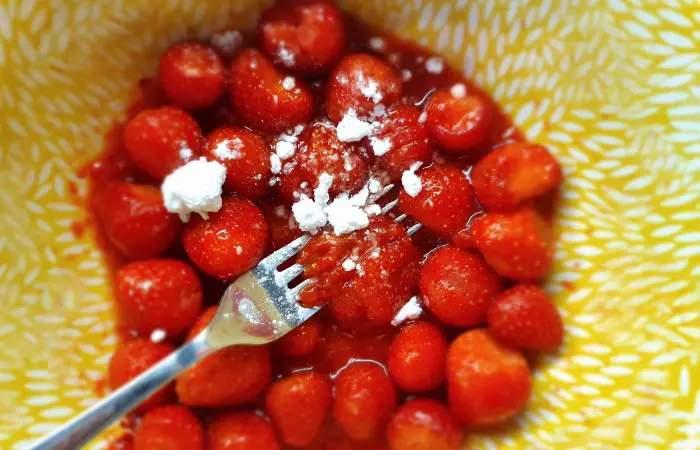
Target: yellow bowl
x: 611, y: 87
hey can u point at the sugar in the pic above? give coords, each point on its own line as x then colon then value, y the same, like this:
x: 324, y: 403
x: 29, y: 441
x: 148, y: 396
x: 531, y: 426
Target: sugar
x: 423, y: 117
x: 224, y: 149
x: 371, y: 91
x: 284, y: 149
x: 380, y: 146
x: 378, y: 111
x: 275, y: 164
x: 374, y: 185
x: 434, y: 65
x: 288, y: 83
x: 185, y: 154
x: 373, y: 210
x: 352, y: 129
x: 309, y: 215
x: 239, y: 250
x: 345, y: 216
x: 194, y: 187
x: 406, y: 75
x: 285, y: 56
x: 377, y: 44
x: 410, y: 181
x: 411, y: 310
x: 349, y: 265
x: 459, y: 90
x: 227, y: 42
x: 158, y: 335
x: 321, y: 194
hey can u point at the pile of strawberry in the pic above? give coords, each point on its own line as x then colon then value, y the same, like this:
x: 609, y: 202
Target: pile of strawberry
x: 475, y: 265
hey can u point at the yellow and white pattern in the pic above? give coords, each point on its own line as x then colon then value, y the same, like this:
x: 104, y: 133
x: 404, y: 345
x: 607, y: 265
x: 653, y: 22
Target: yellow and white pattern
x: 611, y: 86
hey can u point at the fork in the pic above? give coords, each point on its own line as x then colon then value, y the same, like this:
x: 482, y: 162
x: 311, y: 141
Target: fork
x: 257, y: 308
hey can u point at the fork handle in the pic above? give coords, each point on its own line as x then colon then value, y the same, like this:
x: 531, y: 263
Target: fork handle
x: 83, y: 428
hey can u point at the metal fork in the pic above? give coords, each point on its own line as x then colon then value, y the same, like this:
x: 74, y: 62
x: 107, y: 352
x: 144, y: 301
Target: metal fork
x: 256, y: 309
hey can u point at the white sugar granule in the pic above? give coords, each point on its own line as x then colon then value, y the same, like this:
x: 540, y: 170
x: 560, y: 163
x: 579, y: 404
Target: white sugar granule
x: 311, y: 214
x: 349, y: 265
x: 275, y: 164
x: 377, y: 44
x: 373, y: 210
x: 374, y: 185
x: 411, y: 310
x: 352, y: 129
x: 406, y: 75
x: 286, y: 56
x: 371, y: 91
x: 194, y: 187
x: 227, y: 42
x: 434, y: 65
x: 223, y: 149
x: 158, y: 335
x: 459, y: 90
x: 410, y: 181
x: 284, y: 149
x: 185, y: 153
x: 346, y: 215
x: 380, y: 146
x: 423, y: 117
x: 288, y: 83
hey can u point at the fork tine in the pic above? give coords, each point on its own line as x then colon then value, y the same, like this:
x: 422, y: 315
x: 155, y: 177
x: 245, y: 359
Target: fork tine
x: 400, y: 218
x: 412, y: 230
x: 382, y: 192
x: 286, y: 252
x: 294, y: 292
x: 288, y: 274
x: 389, y: 206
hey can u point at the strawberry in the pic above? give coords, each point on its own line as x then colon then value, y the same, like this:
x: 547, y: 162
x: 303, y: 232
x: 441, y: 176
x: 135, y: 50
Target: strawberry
x: 298, y: 405
x: 445, y: 201
x: 303, y: 35
x: 230, y: 377
x: 246, y: 158
x: 302, y: 340
x: 458, y: 286
x: 359, y: 83
x: 283, y: 227
x: 133, y: 357
x: 487, y: 382
x: 408, y: 137
x: 158, y: 294
x: 161, y: 140
x: 516, y: 244
x: 424, y: 424
x: 319, y: 151
x: 241, y: 431
x: 170, y: 427
x: 230, y: 242
x: 513, y: 173
x: 192, y: 74
x: 365, y: 398
x: 460, y: 124
x: 525, y: 317
x: 258, y: 93
x: 417, y: 357
x: 134, y: 219
x: 382, y: 280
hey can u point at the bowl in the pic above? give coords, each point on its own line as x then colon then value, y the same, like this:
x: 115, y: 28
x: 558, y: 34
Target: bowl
x: 610, y: 87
